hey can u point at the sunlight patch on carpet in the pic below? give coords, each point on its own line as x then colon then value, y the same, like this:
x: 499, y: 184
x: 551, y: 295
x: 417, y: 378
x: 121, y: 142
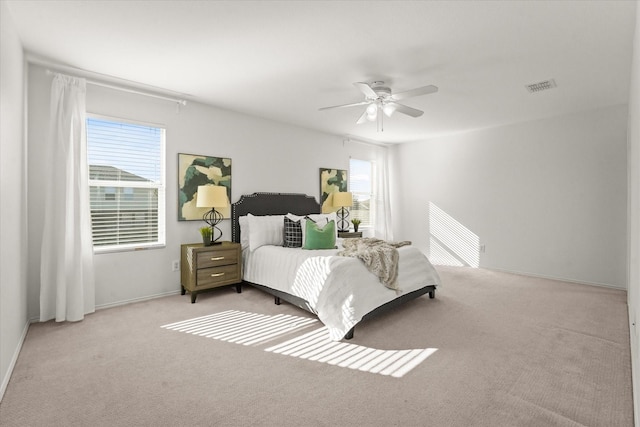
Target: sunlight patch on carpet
x: 246, y: 328
x: 242, y: 327
x: 317, y: 346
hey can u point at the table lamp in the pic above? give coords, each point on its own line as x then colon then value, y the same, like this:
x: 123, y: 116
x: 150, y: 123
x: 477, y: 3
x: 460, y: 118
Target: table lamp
x: 212, y: 196
x: 343, y: 200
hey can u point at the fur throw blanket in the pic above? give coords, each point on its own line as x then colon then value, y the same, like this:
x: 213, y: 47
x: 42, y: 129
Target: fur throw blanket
x: 380, y: 257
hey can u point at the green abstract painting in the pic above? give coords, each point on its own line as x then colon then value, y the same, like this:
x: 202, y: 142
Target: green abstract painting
x: 194, y: 170
x: 331, y: 181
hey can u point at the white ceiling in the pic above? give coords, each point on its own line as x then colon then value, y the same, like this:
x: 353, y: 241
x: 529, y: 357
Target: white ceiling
x: 284, y: 60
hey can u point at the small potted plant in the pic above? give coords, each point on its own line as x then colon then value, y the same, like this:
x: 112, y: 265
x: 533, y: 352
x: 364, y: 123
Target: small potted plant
x: 205, y: 232
x: 356, y: 223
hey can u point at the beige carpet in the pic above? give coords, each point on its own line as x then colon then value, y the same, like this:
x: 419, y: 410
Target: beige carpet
x: 492, y: 349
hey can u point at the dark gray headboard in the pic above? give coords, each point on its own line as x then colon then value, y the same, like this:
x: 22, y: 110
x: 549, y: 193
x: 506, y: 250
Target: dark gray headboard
x: 270, y: 204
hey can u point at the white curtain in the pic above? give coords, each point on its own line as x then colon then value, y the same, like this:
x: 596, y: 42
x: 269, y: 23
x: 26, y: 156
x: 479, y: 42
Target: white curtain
x: 67, y: 290
x: 382, y: 227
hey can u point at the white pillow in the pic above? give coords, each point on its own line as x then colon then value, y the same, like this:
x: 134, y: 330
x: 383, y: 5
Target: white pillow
x: 244, y: 231
x: 294, y: 217
x: 320, y: 219
x: 265, y: 230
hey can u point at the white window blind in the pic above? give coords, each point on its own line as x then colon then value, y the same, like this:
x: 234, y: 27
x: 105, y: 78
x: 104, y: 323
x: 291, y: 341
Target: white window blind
x: 361, y: 185
x: 127, y: 183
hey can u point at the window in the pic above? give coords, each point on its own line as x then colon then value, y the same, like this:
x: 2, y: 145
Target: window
x: 361, y: 185
x: 126, y: 184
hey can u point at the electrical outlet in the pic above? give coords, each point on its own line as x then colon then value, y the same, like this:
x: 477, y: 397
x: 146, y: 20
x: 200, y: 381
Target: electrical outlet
x: 175, y: 265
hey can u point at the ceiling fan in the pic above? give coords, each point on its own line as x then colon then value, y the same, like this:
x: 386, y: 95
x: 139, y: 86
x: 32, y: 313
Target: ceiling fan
x: 379, y: 98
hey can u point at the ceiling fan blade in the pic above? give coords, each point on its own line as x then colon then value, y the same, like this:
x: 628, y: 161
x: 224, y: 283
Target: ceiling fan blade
x: 345, y: 105
x: 366, y: 89
x: 406, y: 110
x: 424, y: 90
x: 363, y: 118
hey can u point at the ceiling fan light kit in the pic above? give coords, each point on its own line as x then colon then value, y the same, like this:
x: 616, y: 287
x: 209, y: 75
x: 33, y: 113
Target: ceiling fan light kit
x: 372, y: 111
x: 380, y: 98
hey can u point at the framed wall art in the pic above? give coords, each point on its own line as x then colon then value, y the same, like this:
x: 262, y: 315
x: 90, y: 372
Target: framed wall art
x: 195, y: 170
x: 331, y: 181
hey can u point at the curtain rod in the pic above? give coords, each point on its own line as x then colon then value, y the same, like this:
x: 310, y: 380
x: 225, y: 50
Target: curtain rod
x: 350, y: 139
x: 126, y: 89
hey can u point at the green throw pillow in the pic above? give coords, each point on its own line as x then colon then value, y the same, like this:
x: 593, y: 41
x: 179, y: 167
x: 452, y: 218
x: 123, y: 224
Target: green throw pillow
x: 320, y: 237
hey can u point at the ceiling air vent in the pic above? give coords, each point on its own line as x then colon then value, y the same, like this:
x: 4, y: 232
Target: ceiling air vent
x: 540, y: 86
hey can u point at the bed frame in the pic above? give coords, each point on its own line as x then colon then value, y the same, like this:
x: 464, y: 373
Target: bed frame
x: 298, y: 204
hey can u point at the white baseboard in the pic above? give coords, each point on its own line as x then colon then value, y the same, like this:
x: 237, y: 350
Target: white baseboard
x: 14, y: 359
x: 635, y: 381
x: 130, y: 301
x: 124, y: 302
x: 635, y: 365
x: 561, y: 279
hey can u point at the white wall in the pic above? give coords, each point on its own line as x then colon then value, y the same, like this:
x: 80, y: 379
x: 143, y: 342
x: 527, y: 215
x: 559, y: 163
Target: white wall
x: 634, y: 216
x: 546, y: 197
x: 266, y: 156
x: 13, y: 228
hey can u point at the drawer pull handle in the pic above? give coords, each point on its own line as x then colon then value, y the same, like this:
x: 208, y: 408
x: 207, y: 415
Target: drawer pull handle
x: 217, y: 258
x: 217, y: 274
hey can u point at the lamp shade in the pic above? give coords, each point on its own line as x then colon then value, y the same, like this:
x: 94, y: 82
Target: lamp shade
x: 212, y: 196
x: 343, y: 199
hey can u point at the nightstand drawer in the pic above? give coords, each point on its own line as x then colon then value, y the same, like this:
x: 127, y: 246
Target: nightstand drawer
x: 349, y: 234
x: 217, y: 258
x: 208, y: 267
x: 217, y: 276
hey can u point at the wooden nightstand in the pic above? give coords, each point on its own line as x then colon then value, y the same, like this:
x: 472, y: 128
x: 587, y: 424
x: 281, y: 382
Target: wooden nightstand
x: 349, y: 234
x: 208, y: 267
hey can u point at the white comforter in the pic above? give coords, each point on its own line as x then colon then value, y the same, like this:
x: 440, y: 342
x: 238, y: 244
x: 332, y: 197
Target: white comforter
x: 340, y: 290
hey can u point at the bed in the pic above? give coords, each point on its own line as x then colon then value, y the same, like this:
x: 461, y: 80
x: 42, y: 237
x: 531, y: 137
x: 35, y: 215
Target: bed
x: 340, y: 290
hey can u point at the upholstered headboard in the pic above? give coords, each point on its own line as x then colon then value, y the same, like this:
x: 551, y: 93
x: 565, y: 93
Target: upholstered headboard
x: 270, y: 204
